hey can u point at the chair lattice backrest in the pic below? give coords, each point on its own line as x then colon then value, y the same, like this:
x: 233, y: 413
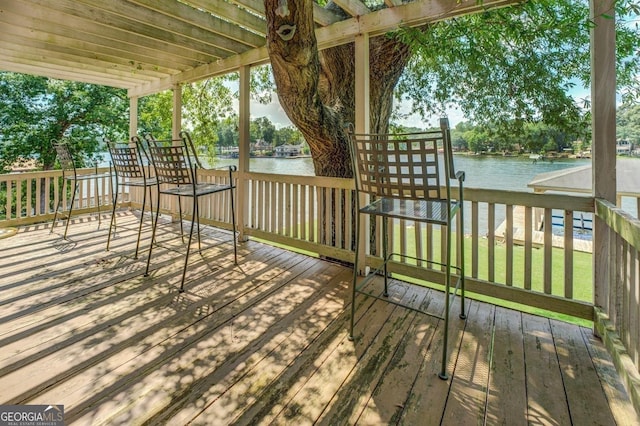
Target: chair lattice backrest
x: 172, y: 163
x: 125, y: 160
x: 406, y: 165
x: 64, y: 156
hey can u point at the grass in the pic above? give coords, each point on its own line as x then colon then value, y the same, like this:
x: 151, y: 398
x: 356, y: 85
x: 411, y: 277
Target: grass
x: 582, y: 270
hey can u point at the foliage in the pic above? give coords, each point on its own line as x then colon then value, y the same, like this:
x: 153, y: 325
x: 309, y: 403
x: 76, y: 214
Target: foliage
x: 36, y: 110
x: 514, y: 65
x: 628, y: 123
x: 531, y: 137
x: 262, y: 129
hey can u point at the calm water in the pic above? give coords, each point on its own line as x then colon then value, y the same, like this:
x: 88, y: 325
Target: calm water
x: 509, y: 173
x: 506, y: 173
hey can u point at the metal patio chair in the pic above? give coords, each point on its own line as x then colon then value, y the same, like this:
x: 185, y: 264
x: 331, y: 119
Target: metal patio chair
x: 128, y: 163
x: 402, y: 178
x: 176, y: 163
x: 70, y: 174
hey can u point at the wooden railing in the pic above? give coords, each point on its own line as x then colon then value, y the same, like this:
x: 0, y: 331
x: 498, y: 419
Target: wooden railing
x: 32, y: 197
x: 618, y: 307
x: 510, y: 254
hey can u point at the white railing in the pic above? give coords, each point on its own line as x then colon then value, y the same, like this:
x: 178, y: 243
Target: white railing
x: 32, y: 197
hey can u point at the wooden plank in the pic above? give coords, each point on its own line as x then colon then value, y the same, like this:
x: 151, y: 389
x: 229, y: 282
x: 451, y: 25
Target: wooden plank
x: 388, y: 399
x: 546, y: 404
x: 293, y: 380
x: 507, y: 394
x: 177, y: 341
x: 469, y: 384
x: 256, y: 343
x: 358, y: 388
x: 619, y: 403
x: 428, y: 398
x: 60, y: 325
x: 327, y: 377
x: 242, y: 380
x: 586, y: 405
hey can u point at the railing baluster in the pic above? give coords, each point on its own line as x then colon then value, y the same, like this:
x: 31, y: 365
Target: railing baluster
x: 568, y: 254
x: 491, y: 239
x: 474, y: 239
x: 528, y: 246
x: 548, y: 246
x: 509, y: 246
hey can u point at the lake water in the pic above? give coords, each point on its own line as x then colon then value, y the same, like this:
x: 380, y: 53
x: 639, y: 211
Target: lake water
x: 509, y: 173
x: 490, y: 172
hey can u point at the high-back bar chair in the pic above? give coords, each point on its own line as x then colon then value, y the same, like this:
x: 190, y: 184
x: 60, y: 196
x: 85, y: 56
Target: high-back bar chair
x: 128, y: 163
x: 175, y: 163
x: 401, y: 177
x: 70, y: 174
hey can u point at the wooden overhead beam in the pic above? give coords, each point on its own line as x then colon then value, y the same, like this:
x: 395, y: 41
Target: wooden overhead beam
x: 64, y: 74
x: 91, y: 19
x: 233, y: 14
x: 375, y: 23
x: 86, y: 36
x: 33, y: 58
x: 353, y: 7
x: 205, y: 20
x: 155, y: 19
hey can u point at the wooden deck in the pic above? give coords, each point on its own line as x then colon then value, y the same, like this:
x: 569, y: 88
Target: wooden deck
x: 266, y: 342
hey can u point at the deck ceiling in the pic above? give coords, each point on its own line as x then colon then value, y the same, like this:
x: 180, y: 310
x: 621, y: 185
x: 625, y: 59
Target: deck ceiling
x: 147, y: 46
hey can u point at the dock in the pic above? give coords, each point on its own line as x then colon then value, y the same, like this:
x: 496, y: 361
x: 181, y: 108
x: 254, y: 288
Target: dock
x: 537, y: 234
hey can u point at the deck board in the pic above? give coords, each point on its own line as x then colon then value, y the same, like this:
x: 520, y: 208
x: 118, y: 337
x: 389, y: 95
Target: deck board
x: 266, y: 342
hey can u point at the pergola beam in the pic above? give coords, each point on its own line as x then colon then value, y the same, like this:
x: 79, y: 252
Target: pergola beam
x: 375, y: 23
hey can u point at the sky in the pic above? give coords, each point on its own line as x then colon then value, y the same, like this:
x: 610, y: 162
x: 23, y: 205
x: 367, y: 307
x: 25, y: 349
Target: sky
x: 274, y: 112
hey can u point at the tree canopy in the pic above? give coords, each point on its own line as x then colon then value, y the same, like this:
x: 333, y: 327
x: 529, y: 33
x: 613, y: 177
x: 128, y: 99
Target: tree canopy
x: 504, y: 68
x: 36, y: 110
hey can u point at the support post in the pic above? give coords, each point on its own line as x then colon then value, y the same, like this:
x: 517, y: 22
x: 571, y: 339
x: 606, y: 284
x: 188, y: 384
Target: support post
x: 176, y: 112
x: 133, y: 116
x: 242, y: 189
x: 603, y: 112
x: 362, y: 125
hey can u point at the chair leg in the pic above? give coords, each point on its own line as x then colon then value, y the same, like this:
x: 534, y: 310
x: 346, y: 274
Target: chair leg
x: 186, y: 257
x: 355, y: 276
x: 180, y: 218
x: 55, y: 214
x: 233, y: 223
x: 112, y: 225
x: 196, y: 212
x: 463, y: 312
x: 144, y: 203
x: 447, y: 283
x: 153, y: 235
x: 97, y: 190
x: 385, y: 243
x: 73, y: 198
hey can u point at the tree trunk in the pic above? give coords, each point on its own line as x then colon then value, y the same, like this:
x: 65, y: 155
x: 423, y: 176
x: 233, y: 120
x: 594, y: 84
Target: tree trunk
x: 317, y: 89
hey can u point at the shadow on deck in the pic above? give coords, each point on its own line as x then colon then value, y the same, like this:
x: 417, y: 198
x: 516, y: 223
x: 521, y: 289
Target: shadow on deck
x: 266, y: 342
